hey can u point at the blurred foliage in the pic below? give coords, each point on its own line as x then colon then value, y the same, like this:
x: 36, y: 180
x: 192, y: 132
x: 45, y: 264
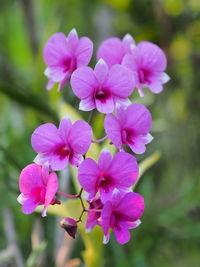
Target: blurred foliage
x: 170, y: 231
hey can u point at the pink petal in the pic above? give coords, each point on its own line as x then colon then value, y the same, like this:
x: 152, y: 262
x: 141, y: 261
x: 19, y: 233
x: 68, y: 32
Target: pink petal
x: 122, y: 234
x: 29, y: 206
x: 132, y: 225
x: 113, y: 130
x: 64, y: 80
x: 105, y: 160
x: 106, y: 105
x: 87, y: 104
x: 124, y: 170
x: 138, y: 144
x: 156, y: 87
x: 106, y: 238
x: 21, y: 198
x: 51, y: 189
x: 64, y: 129
x: 111, y: 51
x: 128, y: 43
x: 72, y: 41
x: 45, y: 173
x: 45, y: 137
x: 43, y: 158
x: 120, y: 81
x: 30, y: 177
x: 165, y: 77
x: 122, y: 102
x: 130, y: 62
x: 106, y: 195
x: 137, y: 147
x: 58, y: 163
x: 76, y: 159
x: 50, y: 84
x: 88, y: 173
x: 151, y: 56
x: 55, y: 49
x: 101, y: 71
x: 91, y: 220
x: 56, y: 73
x: 83, y: 82
x: 135, y: 202
x: 84, y: 51
x: 138, y: 118
x: 106, y: 218
x: 80, y: 137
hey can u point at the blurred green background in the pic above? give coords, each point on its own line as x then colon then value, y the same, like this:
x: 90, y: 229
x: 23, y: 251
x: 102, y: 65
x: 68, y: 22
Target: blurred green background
x: 170, y: 232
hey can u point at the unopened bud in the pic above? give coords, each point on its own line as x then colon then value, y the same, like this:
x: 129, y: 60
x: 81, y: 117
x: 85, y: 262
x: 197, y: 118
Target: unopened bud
x: 69, y: 225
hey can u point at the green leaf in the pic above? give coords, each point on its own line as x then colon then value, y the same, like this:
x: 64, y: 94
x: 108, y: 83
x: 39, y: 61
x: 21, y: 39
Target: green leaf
x: 147, y: 163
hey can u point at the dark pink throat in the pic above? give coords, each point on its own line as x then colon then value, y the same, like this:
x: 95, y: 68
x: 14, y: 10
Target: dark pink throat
x: 102, y: 94
x: 104, y: 182
x: 62, y: 151
x: 38, y: 194
x: 144, y: 75
x: 69, y: 64
x: 127, y: 136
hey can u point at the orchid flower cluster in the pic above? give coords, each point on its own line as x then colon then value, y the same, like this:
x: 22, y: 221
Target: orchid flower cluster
x: 122, y: 65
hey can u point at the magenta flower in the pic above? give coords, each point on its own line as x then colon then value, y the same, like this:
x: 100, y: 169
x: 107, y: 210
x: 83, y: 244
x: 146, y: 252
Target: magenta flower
x: 121, y: 213
x: 37, y: 187
x: 63, y: 55
x: 120, y: 173
x: 102, y: 88
x: 148, y: 63
x: 113, y: 50
x: 94, y: 214
x: 57, y: 146
x: 131, y: 127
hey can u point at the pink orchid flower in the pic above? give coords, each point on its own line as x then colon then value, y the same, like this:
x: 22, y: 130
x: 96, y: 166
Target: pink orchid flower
x: 63, y: 55
x: 121, y: 213
x: 102, y: 87
x: 95, y: 207
x: 131, y: 127
x: 37, y: 187
x: 58, y: 146
x: 112, y: 50
x: 120, y: 172
x: 148, y: 63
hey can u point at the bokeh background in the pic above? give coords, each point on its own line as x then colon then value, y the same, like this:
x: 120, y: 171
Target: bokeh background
x: 170, y: 232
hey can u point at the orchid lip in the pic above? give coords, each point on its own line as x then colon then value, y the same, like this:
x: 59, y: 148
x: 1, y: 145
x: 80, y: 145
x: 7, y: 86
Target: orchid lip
x: 104, y: 182
x: 62, y: 151
x: 102, y: 94
x: 144, y: 76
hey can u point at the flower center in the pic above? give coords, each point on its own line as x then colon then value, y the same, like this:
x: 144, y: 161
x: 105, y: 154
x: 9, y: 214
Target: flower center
x: 115, y: 221
x: 102, y: 94
x: 69, y: 64
x: 104, y: 182
x: 144, y: 76
x: 127, y: 136
x: 62, y: 151
x: 38, y: 193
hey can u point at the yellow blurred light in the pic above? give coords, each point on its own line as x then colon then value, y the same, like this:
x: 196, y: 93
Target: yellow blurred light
x: 180, y: 48
x: 119, y: 4
x: 174, y: 7
x: 194, y: 4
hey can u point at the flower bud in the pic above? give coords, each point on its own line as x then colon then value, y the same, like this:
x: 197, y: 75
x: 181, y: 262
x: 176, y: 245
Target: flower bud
x: 69, y: 225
